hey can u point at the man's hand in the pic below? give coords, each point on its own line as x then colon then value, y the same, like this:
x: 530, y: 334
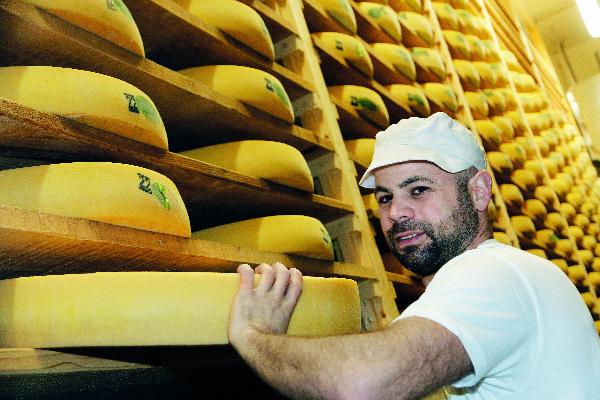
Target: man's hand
x: 266, y: 308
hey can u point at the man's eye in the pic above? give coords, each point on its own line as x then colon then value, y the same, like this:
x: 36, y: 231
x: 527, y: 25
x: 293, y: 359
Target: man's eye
x: 384, y: 199
x: 419, y: 190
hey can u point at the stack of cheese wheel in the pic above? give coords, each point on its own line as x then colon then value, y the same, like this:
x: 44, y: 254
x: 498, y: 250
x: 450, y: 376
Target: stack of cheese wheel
x: 490, y: 133
x: 111, y: 21
x: 536, y: 210
x: 513, y: 198
x: 429, y: 65
x: 154, y: 309
x: 478, y: 49
x: 366, y: 102
x: 340, y: 11
x: 308, y: 237
x: 441, y: 98
x: 102, y: 102
x: 500, y: 164
x: 235, y: 19
x: 478, y: 104
x: 412, y: 99
x: 361, y: 150
x: 507, y: 127
x: 347, y: 47
x: 524, y: 227
x: 416, y: 29
x: 384, y: 17
x: 274, y: 161
x: 252, y: 86
x: 399, y: 57
x: 468, y: 75
x: 458, y: 45
x: 446, y: 15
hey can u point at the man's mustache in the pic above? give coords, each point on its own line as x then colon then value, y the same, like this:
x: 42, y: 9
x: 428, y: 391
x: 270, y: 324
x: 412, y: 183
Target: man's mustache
x: 408, y: 225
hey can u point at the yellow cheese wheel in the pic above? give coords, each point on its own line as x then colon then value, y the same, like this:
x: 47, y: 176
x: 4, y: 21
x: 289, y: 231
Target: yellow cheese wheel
x: 560, y: 187
x: 528, y: 144
x: 574, y: 198
x: 576, y: 233
x: 465, y: 21
x: 577, y: 273
x: 542, y: 145
x: 416, y: 29
x: 511, y: 61
x: 507, y: 127
x: 489, y: 76
x: 478, y: 49
x: 502, y: 238
x: 589, y: 242
x: 348, y: 47
x: 429, y: 64
x: 478, y: 104
x: 516, y: 152
x: 536, y: 210
x: 492, y: 54
x: 525, y: 180
x: 481, y: 29
x: 568, y: 211
x: 407, y: 5
x: 441, y: 98
x: 511, y: 104
x: 556, y: 222
x: 361, y: 150
x: 366, y: 102
x: 545, y: 238
x: 153, y: 309
x: 274, y: 161
x: 551, y: 137
x: 561, y: 263
x: 523, y: 81
x: 593, y: 229
x: 447, y: 18
x: 118, y: 194
x: 596, y: 264
x: 586, y: 256
x: 306, y: 235
x: 558, y: 158
x: 490, y: 133
x: 496, y: 102
x: 524, y: 227
x: 551, y: 166
x: 538, y: 252
x: 385, y: 17
x: 251, y: 86
x: 412, y: 98
x: 235, y: 19
x: 457, y: 44
x: 512, y: 196
x: 500, y: 164
x: 469, y: 77
x: 588, y: 208
x: 340, y: 11
x: 87, y: 97
x: 537, y: 167
x: 399, y: 57
x: 546, y: 195
x: 111, y: 20
x: 581, y: 221
x: 564, y: 248
x: 594, y: 279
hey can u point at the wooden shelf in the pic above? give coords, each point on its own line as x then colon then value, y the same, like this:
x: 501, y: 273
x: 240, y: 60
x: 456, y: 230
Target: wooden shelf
x: 34, y: 243
x: 212, y: 195
x: 407, y: 290
x: 193, y: 114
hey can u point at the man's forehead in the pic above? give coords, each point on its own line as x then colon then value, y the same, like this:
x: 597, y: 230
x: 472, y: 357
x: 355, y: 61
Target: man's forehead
x: 401, y: 171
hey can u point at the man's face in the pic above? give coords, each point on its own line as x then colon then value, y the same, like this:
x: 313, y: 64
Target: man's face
x: 426, y: 218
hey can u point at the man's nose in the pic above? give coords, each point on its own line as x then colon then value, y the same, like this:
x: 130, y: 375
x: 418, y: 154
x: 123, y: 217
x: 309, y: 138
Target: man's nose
x: 401, y: 211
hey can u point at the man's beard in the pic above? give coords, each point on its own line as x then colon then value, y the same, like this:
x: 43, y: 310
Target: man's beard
x: 447, y: 240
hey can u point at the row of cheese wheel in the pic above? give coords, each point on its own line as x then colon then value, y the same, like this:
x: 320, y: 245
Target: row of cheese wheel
x: 113, y: 21
x: 140, y: 198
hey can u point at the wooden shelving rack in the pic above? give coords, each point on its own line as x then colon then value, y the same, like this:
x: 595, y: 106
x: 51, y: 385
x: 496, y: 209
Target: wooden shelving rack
x: 194, y: 115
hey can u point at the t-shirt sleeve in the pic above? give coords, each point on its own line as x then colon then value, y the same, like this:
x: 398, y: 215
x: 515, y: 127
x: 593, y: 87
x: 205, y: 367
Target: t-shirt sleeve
x: 484, y: 302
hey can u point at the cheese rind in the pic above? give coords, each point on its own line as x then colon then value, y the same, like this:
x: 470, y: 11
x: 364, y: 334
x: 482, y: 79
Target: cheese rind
x: 153, y: 309
x: 252, y: 86
x: 118, y: 194
x: 109, y: 19
x: 87, y: 97
x: 274, y: 161
x: 341, y: 11
x: 236, y: 19
x: 367, y: 102
x: 349, y: 47
x: 292, y: 234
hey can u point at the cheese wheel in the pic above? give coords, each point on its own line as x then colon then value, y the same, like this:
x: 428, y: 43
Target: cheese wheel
x: 412, y: 98
x: 447, y: 18
x: 546, y: 195
x: 274, y: 161
x: 370, y: 203
x: 478, y: 104
x: 502, y: 238
x: 416, y: 29
x: 469, y: 77
x: 489, y: 76
x: 465, y: 21
x: 502, y: 80
x: 561, y: 263
x: 542, y: 145
x: 306, y: 236
x: 588, y: 208
x: 523, y: 81
x: 478, y: 49
x: 516, y: 152
x: 551, y: 166
x: 366, y: 102
x: 581, y: 221
x: 348, y: 47
x: 593, y: 229
x: 589, y: 242
x: 492, y: 53
x: 251, y: 86
x: 586, y: 256
x: 537, y: 167
x: 361, y: 150
x: 500, y: 164
x: 507, y: 127
x: 87, y: 97
x: 341, y: 12
x: 524, y: 227
x: 564, y: 248
x: 536, y: 210
x: 511, y: 104
x: 399, y: 57
x: 577, y: 273
x: 574, y: 198
x: 568, y: 211
x: 555, y: 221
x: 429, y: 64
x: 560, y: 187
x: 490, y: 133
x: 594, y: 279
x: 576, y: 233
x: 496, y: 102
x: 407, y: 5
x: 235, y: 19
x: 525, y: 180
x: 481, y: 29
x: 111, y: 20
x: 117, y: 194
x: 458, y: 45
x: 385, y: 17
x: 545, y: 238
x: 551, y: 137
x: 153, y: 309
x: 538, y: 252
x: 511, y: 61
x: 512, y: 197
x: 441, y: 98
x: 528, y: 145
x: 596, y: 264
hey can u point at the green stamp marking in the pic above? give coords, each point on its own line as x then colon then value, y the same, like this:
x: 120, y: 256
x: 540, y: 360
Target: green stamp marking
x: 376, y: 12
x: 278, y: 90
x: 146, y: 108
x: 160, y: 192
x: 415, y: 98
x: 360, y: 50
x: 326, y: 237
x: 120, y: 6
x: 362, y: 103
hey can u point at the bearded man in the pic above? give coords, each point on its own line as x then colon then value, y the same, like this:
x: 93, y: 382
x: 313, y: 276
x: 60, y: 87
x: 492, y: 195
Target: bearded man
x: 494, y: 322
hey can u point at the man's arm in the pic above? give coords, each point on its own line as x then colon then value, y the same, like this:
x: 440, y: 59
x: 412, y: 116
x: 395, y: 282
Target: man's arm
x: 407, y: 360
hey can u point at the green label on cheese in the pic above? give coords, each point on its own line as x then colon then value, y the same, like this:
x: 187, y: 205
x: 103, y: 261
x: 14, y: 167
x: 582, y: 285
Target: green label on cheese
x: 141, y: 105
x: 157, y: 189
x: 415, y: 98
x: 376, y: 12
x: 278, y: 90
x: 363, y: 103
x: 118, y: 5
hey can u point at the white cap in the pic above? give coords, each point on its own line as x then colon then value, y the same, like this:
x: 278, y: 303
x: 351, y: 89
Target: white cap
x: 438, y: 139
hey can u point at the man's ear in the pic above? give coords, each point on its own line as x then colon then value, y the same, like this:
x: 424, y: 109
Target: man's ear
x: 480, y: 188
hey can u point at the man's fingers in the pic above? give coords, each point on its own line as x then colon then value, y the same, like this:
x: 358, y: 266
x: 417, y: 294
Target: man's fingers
x: 294, y: 290
x: 267, y: 277
x: 246, y: 278
x: 282, y: 279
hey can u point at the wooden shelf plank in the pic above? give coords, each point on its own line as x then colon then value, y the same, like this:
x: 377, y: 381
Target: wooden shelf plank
x: 194, y: 114
x: 177, y: 39
x: 279, y: 27
x: 212, y: 195
x: 34, y: 243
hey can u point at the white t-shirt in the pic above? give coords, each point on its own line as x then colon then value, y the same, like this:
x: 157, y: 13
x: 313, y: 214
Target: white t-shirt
x: 523, y: 323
